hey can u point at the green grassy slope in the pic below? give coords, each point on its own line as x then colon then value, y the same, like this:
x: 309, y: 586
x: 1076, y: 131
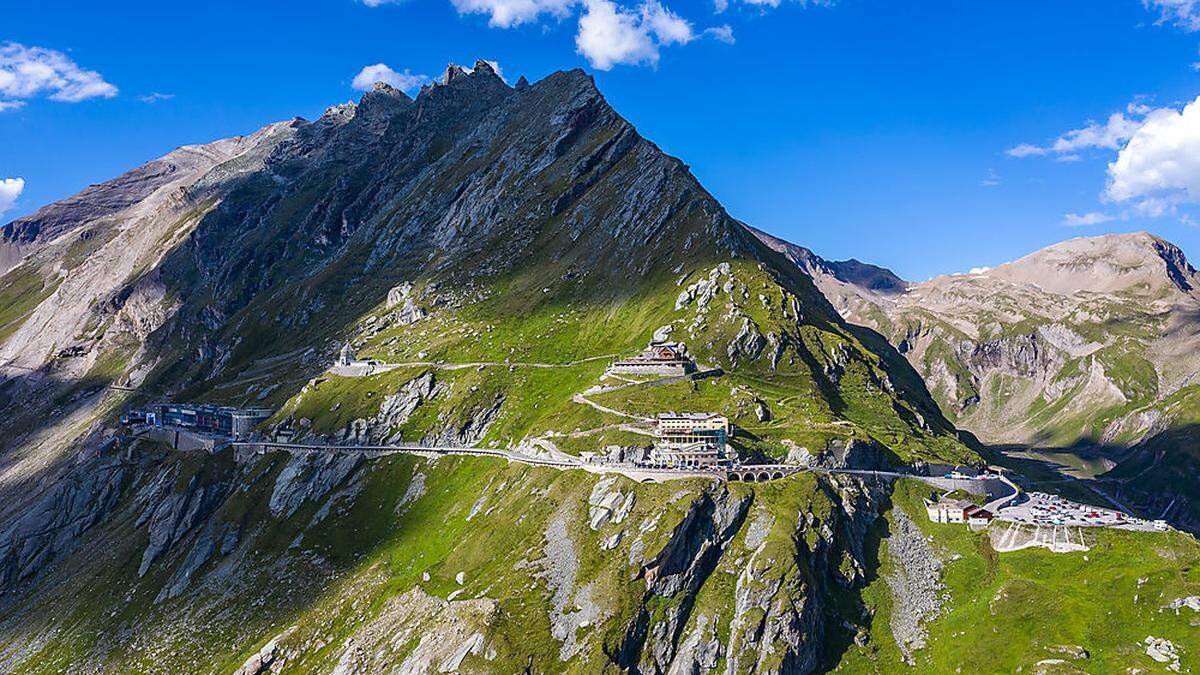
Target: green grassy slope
x: 1037, y: 610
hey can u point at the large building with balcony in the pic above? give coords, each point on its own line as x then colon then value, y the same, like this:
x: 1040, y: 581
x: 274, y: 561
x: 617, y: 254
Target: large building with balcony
x: 690, y: 440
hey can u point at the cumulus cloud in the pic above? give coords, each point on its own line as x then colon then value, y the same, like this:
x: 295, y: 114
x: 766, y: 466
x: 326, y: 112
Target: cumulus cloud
x: 609, y: 32
x: 27, y: 72
x: 509, y: 13
x: 1110, y: 135
x: 381, y: 72
x: 610, y: 35
x: 10, y: 189
x: 1184, y: 14
x: 668, y: 27
x: 1082, y: 220
x: 1160, y: 164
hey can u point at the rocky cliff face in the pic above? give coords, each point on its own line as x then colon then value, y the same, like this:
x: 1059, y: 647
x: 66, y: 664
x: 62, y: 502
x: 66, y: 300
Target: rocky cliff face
x: 674, y: 578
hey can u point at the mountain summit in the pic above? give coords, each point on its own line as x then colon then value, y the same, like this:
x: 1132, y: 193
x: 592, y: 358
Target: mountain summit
x: 1113, y: 263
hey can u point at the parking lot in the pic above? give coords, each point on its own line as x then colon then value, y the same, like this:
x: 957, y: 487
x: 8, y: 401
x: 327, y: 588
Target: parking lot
x: 1039, y: 508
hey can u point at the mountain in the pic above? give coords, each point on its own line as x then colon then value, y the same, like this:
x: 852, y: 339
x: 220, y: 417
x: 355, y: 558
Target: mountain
x: 1091, y: 344
x: 490, y: 249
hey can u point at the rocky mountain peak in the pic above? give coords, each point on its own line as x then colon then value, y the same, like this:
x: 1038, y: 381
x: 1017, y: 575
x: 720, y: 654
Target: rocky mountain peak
x: 851, y: 272
x: 453, y: 72
x: 383, y: 100
x: 1137, y: 262
x: 483, y: 67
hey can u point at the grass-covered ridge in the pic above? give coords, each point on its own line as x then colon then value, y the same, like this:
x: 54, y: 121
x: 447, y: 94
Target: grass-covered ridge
x: 534, y: 347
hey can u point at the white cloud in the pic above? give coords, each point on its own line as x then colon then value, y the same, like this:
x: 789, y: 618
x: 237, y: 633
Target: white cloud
x: 1093, y: 218
x: 6, y: 106
x: 26, y: 72
x: 610, y: 35
x: 1025, y: 150
x: 722, y: 33
x: 509, y: 13
x: 1109, y: 136
x: 1160, y: 165
x: 10, y: 189
x: 380, y: 72
x: 155, y: 97
x: 991, y: 180
x: 667, y: 26
x: 1184, y: 14
x: 722, y: 5
x: 979, y: 270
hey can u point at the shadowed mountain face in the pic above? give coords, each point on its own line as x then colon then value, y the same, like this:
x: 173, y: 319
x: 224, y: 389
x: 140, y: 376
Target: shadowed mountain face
x: 525, y: 234
x: 851, y: 272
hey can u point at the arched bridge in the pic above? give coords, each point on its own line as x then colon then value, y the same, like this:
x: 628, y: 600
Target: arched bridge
x: 759, y: 473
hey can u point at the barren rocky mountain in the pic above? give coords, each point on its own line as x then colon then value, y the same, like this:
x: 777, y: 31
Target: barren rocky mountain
x: 1080, y: 340
x: 1093, y: 344
x: 484, y: 251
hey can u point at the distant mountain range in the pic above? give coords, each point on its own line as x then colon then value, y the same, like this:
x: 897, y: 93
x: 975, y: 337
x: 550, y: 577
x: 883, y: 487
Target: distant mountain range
x: 1092, y: 343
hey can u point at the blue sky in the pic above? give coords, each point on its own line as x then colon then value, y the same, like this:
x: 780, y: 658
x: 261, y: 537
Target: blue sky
x: 875, y: 129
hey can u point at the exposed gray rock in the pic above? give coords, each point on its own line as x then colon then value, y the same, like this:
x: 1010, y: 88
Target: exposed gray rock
x: 916, y: 582
x: 1164, y: 651
x: 679, y: 570
x: 571, y: 606
x: 408, y: 312
x: 52, y: 522
x: 265, y: 659
x: 607, y: 505
x: 309, y: 476
x: 398, y: 407
x: 170, y: 514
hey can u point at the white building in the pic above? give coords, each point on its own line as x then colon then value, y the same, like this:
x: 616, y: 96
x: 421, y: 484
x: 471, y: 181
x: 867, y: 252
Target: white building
x: 690, y: 440
x: 947, y: 510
